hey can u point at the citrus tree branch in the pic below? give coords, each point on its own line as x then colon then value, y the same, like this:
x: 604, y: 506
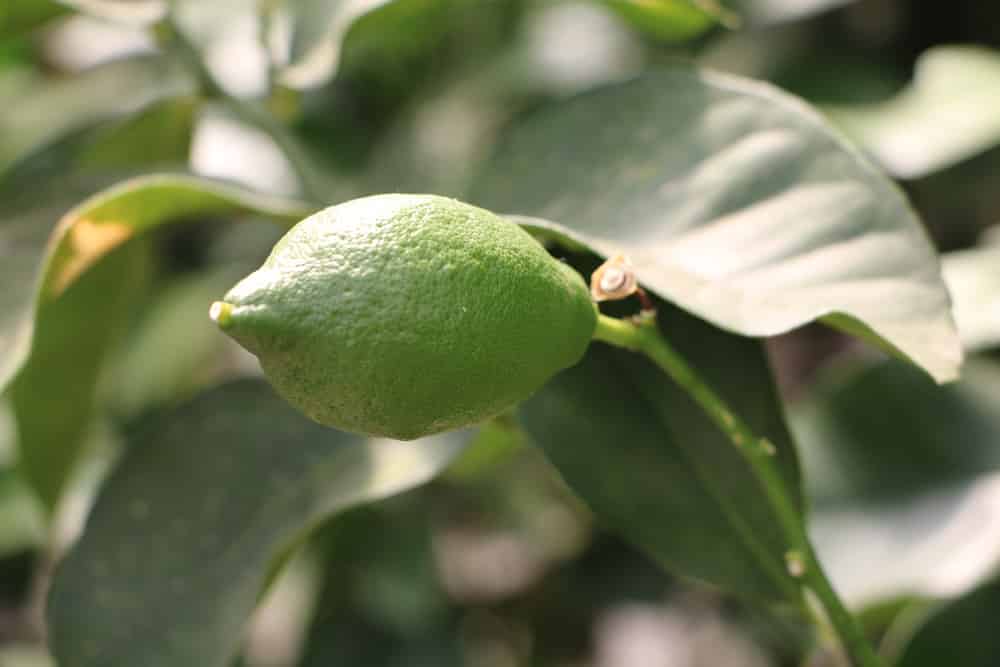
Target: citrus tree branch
x: 643, y: 336
x: 311, y: 178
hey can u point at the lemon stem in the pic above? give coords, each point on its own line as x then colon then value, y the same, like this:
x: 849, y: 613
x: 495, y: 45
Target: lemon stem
x: 643, y: 335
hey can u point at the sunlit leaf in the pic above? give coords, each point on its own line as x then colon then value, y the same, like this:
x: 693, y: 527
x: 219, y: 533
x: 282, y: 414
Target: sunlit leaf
x: 904, y: 479
x: 735, y: 202
x: 24, y: 655
x: 943, y: 117
x: 48, y: 110
x: 205, y: 499
x: 52, y: 396
x: 673, y: 20
x: 62, y: 329
x: 133, y: 12
x: 318, y: 31
x: 935, y: 543
x: 973, y: 278
x: 654, y: 468
x: 774, y: 11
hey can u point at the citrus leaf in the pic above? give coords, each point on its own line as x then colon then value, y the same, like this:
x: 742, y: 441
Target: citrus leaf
x: 736, y: 202
x: 973, y: 279
x: 156, y: 366
x: 48, y: 110
x: 943, y: 117
x: 52, y: 397
x: 319, y: 28
x: 672, y: 20
x: 939, y: 542
x: 774, y: 11
x: 655, y: 469
x: 905, y: 477
x: 133, y: 12
x: 164, y: 130
x: 950, y: 432
x: 69, y: 321
x: 960, y: 632
x: 20, y: 16
x: 204, y: 499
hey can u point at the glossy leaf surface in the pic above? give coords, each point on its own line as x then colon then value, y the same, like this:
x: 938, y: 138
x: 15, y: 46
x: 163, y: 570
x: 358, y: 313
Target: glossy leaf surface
x: 736, y: 202
x: 191, y: 520
x: 944, y: 116
x: 654, y: 468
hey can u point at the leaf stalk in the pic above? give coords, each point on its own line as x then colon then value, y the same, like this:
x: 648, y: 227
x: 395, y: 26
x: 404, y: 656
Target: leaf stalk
x: 642, y: 335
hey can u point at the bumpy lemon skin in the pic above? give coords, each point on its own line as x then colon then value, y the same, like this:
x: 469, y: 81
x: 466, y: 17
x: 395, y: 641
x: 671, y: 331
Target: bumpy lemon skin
x: 407, y: 315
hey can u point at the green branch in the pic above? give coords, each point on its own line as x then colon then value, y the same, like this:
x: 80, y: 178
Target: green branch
x: 314, y: 185
x: 643, y: 336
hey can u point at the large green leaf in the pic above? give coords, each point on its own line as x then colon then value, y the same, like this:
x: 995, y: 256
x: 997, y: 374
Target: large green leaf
x: 60, y: 333
x: 736, y: 202
x: 180, y: 541
x: 927, y: 436
x: 939, y: 542
x: 973, y: 279
x: 133, y: 12
x: 773, y: 11
x: 174, y: 350
x: 19, y: 16
x: 905, y: 477
x: 672, y: 20
x: 48, y: 110
x: 946, y: 115
x: 53, y: 396
x: 318, y: 31
x: 961, y: 632
x: 655, y: 469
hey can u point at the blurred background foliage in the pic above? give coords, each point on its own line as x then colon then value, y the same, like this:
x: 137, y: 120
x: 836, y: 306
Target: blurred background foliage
x: 496, y: 563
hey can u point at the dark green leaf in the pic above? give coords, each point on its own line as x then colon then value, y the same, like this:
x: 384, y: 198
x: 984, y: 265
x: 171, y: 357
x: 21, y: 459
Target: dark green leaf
x: 888, y: 431
x: 19, y: 16
x: 737, y: 203
x: 962, y: 632
x: 179, y: 543
x: 654, y: 468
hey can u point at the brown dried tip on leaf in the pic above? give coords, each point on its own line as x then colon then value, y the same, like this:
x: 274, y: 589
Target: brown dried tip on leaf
x: 615, y: 279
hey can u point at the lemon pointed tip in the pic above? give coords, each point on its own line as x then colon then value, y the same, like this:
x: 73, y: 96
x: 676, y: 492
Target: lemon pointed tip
x: 221, y: 313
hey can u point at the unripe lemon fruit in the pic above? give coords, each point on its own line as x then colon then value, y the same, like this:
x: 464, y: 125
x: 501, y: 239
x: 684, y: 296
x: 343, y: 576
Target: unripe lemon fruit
x: 406, y: 315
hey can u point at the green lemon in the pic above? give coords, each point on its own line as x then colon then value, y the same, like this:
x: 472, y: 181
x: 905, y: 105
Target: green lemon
x: 406, y: 315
